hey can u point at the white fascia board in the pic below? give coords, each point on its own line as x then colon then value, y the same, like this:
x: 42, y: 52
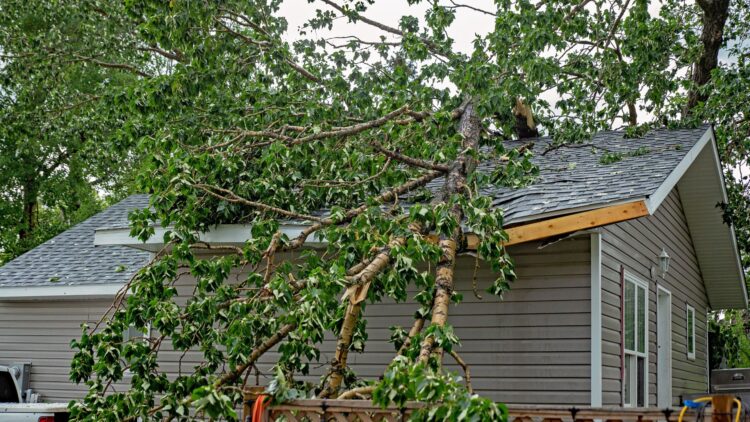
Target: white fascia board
x: 223, y: 234
x: 85, y: 291
x: 661, y: 193
x: 596, y: 319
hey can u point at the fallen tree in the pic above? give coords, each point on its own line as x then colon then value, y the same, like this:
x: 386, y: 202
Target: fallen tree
x: 372, y: 145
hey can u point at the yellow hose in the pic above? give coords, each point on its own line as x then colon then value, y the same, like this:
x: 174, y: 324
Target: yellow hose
x: 739, y: 409
x: 685, y: 408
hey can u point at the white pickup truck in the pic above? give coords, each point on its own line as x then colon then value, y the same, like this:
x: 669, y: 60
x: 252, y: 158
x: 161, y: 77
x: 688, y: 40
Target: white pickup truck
x: 18, y: 403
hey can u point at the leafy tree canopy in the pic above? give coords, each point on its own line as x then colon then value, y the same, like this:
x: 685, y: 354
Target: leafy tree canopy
x: 60, y: 141
x: 343, y: 135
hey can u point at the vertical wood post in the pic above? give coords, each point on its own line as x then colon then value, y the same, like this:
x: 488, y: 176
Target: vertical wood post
x: 249, y: 395
x: 722, y: 408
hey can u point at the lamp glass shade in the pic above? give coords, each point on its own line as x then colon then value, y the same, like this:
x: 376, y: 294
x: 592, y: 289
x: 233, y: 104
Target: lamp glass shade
x: 664, y: 262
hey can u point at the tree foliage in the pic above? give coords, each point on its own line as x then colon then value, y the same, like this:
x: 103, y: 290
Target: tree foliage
x: 728, y: 340
x: 60, y: 142
x: 370, y: 144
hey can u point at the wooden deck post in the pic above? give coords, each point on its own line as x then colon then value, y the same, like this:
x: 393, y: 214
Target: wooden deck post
x: 722, y: 408
x: 249, y: 395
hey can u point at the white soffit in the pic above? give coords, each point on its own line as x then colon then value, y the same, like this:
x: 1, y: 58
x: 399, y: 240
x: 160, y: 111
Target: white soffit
x: 223, y: 234
x: 62, y: 292
x: 661, y: 193
x: 702, y: 189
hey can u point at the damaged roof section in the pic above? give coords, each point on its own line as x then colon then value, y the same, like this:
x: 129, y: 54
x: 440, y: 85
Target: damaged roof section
x: 605, y: 170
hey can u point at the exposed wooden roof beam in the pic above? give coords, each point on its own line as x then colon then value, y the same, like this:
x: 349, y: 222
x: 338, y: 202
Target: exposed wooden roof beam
x: 570, y: 223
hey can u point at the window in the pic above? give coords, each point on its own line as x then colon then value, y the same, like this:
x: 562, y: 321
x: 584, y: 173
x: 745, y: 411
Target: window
x: 690, y: 323
x: 635, y: 381
x: 135, y: 334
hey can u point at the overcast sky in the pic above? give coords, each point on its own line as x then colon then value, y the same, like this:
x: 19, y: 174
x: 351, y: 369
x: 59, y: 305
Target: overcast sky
x: 467, y: 24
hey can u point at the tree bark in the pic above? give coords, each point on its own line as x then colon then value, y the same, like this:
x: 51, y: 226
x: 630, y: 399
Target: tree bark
x: 30, y: 209
x: 632, y: 114
x: 525, y: 124
x: 715, y: 14
x: 338, y: 366
x: 470, y: 129
x: 351, y: 317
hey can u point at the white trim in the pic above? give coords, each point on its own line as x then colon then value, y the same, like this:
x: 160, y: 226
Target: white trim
x: 86, y: 291
x: 596, y: 319
x: 664, y: 372
x: 222, y: 234
x: 661, y: 193
x: 688, y: 310
x: 629, y: 277
x: 126, y: 338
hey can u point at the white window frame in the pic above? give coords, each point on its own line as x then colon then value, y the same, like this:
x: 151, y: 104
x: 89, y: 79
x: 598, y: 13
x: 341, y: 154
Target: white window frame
x: 126, y: 334
x: 632, y: 401
x: 689, y: 310
x: 126, y: 338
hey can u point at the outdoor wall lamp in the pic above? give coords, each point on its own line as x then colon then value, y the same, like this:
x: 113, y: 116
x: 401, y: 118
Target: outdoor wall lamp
x: 664, y: 262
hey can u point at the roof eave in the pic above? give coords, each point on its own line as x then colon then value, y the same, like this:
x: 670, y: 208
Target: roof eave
x: 60, y: 292
x: 701, y: 184
x: 222, y: 234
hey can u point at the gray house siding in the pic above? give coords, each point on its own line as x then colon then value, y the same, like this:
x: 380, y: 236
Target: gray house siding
x: 635, y: 245
x: 533, y: 347
x: 40, y: 333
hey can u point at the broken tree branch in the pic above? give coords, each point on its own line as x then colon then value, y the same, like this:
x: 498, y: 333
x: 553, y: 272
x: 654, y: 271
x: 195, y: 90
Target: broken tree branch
x: 416, y: 162
x: 470, y: 128
x: 360, y: 391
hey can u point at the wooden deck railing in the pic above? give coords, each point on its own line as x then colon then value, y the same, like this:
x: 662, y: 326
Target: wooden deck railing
x: 365, y: 411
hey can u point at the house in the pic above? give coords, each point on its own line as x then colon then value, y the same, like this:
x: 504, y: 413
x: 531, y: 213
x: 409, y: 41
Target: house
x: 595, y: 318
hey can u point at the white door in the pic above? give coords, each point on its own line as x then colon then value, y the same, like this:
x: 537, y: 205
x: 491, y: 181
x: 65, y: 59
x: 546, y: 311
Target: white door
x: 664, y: 347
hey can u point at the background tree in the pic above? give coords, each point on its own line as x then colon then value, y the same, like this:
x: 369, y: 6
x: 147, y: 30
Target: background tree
x: 63, y: 143
x: 240, y: 125
x: 719, y: 94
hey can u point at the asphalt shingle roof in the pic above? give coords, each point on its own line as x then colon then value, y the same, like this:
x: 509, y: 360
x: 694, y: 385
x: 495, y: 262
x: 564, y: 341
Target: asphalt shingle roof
x: 574, y: 176
x: 71, y: 258
x: 570, y: 177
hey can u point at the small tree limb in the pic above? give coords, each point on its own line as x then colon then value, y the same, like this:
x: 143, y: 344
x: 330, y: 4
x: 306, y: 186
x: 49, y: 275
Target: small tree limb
x: 356, y: 392
x: 465, y: 367
x: 416, y: 162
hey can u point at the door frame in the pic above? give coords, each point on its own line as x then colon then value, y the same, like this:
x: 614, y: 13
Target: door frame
x: 663, y: 347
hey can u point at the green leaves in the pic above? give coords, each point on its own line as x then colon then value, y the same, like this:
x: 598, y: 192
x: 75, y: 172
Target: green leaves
x: 224, y: 112
x: 213, y: 403
x: 443, y: 395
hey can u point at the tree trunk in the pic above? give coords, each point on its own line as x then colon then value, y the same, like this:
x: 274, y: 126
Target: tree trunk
x: 444, y: 284
x: 338, y: 366
x: 525, y: 124
x: 30, y: 209
x: 470, y: 129
x: 715, y: 14
x: 351, y: 317
x: 632, y: 114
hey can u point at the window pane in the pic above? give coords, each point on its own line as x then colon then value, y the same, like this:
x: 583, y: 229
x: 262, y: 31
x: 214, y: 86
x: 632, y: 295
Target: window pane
x: 691, y: 331
x: 641, y: 382
x: 629, y: 315
x: 133, y: 333
x: 627, y: 381
x: 641, y: 320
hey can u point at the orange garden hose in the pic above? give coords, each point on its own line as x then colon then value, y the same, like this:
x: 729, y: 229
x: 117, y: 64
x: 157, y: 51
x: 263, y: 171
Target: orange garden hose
x: 259, y: 407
